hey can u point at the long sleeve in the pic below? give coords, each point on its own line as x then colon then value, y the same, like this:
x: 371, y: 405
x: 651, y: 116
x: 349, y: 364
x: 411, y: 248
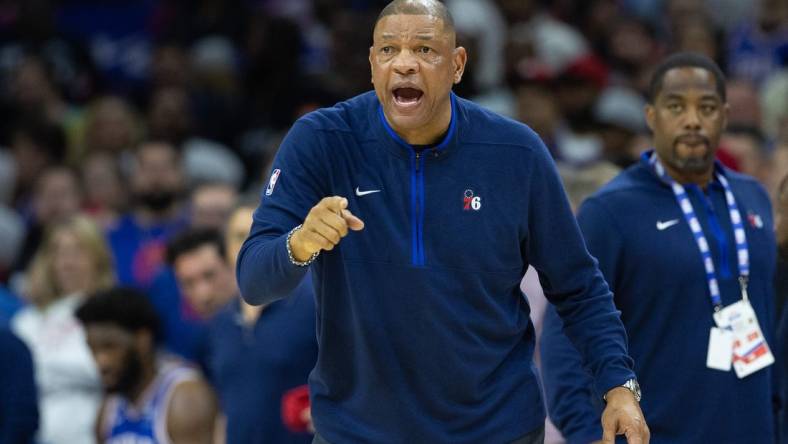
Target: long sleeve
x: 18, y: 398
x: 572, y: 281
x: 298, y: 181
x: 572, y: 403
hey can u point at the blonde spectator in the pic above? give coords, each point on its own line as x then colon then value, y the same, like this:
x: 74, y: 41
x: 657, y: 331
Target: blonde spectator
x: 72, y: 262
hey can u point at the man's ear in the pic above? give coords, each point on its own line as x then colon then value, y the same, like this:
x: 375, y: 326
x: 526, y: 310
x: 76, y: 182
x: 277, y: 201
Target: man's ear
x: 371, y: 66
x: 650, y: 112
x: 460, y: 59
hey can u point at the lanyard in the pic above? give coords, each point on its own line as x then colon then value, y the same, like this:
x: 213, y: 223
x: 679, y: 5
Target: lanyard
x: 689, y: 215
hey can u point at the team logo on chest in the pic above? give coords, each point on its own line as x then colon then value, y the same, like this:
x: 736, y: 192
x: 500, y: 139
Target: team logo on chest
x: 272, y: 182
x: 754, y: 220
x: 471, y: 202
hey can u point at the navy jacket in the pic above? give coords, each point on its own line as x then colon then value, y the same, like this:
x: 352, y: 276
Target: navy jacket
x: 18, y: 394
x: 424, y: 335
x: 660, y: 286
x: 252, y: 366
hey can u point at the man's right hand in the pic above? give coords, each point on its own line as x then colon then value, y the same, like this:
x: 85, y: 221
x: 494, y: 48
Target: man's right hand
x: 325, y: 225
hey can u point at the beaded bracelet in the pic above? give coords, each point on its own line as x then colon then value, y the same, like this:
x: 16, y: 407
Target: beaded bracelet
x: 290, y: 252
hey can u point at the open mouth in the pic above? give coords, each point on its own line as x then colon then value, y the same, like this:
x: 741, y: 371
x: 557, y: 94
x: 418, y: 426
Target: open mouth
x: 407, y: 97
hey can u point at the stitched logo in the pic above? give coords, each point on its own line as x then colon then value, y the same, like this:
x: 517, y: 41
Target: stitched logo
x: 666, y: 224
x: 471, y: 202
x: 755, y: 220
x: 272, y: 182
x: 360, y: 193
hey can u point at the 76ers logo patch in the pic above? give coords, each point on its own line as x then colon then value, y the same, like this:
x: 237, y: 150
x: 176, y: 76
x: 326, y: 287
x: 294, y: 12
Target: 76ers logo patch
x: 471, y: 202
x: 272, y: 182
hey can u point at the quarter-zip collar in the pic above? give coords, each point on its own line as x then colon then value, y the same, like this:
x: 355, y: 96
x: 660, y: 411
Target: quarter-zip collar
x: 401, y: 148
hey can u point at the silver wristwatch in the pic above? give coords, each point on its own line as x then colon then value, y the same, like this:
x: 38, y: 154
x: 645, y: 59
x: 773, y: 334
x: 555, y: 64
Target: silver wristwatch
x: 631, y: 385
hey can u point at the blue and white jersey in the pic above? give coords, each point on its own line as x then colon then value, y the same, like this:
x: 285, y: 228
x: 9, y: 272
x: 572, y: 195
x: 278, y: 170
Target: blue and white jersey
x: 145, y: 423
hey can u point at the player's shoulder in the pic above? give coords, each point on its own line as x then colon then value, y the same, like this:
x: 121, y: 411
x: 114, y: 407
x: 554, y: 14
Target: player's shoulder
x: 483, y: 127
x: 350, y: 115
x: 742, y: 180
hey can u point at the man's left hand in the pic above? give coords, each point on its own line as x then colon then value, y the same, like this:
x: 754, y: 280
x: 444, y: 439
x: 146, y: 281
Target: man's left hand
x: 623, y: 416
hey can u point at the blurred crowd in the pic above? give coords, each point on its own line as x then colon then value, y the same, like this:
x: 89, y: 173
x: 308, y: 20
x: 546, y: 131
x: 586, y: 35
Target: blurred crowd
x: 131, y: 131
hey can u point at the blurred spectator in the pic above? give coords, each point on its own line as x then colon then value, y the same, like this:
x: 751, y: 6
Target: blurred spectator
x: 119, y: 36
x: 103, y: 183
x: 774, y: 104
x: 169, y: 115
x: 760, y: 46
x: 12, y: 235
x: 743, y: 105
x: 206, y: 281
x: 149, y: 398
x: 537, y: 107
x: 349, y: 72
x: 216, y: 89
x: 270, y: 105
x: 245, y: 341
x: 73, y: 261
x: 184, y: 328
x: 18, y: 397
x: 207, y: 161
x: 538, y: 46
x: 34, y: 93
x: 157, y: 213
x: 619, y: 113
x: 482, y: 30
x: 632, y: 50
x: 170, y: 66
x: 196, y: 18
x: 170, y: 119
x: 35, y: 145
x: 111, y: 127
x: 697, y: 33
x: 57, y: 196
x: 580, y: 183
x: 211, y: 205
x: 746, y: 145
x: 781, y: 229
x: 578, y: 86
x: 778, y: 167
x: 781, y: 290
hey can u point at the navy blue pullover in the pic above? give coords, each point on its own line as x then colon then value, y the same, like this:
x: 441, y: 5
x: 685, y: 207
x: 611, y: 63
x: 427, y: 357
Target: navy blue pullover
x: 18, y: 393
x: 252, y: 366
x: 423, y: 333
x: 660, y: 287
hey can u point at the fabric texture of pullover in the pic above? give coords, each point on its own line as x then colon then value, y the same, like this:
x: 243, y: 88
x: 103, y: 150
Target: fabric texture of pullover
x: 423, y: 333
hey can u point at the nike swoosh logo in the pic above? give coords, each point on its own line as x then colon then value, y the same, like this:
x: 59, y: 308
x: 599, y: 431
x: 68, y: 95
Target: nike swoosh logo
x: 360, y: 193
x: 666, y: 224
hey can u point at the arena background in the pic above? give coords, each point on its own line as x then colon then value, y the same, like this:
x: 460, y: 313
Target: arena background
x: 84, y: 83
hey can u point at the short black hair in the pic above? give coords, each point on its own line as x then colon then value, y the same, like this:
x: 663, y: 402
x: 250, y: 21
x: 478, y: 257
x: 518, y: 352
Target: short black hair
x: 192, y: 240
x: 433, y: 8
x: 125, y: 307
x: 686, y: 60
